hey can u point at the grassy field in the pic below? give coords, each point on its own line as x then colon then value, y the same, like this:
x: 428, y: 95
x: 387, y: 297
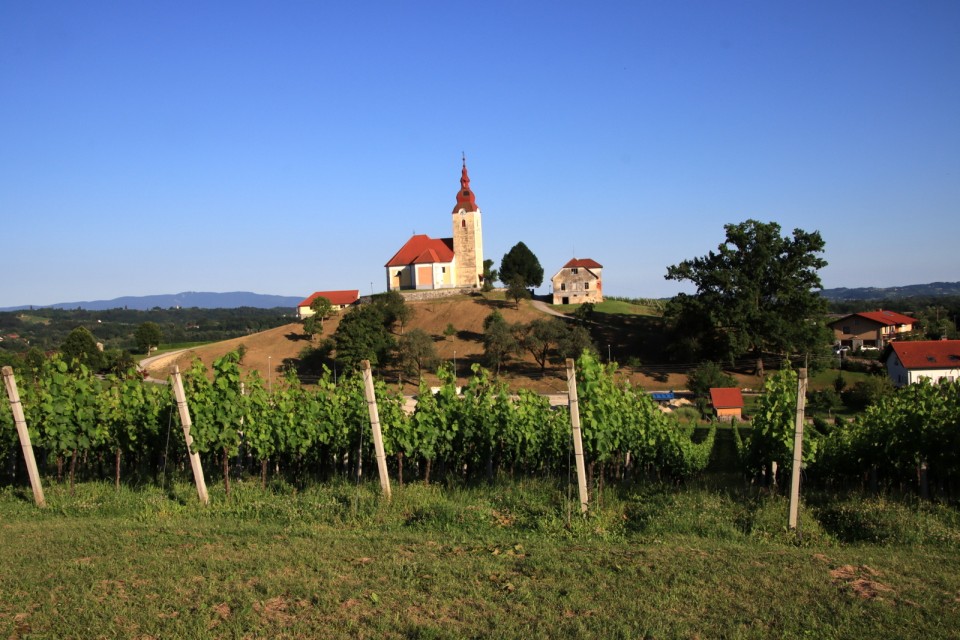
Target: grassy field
x: 507, y: 561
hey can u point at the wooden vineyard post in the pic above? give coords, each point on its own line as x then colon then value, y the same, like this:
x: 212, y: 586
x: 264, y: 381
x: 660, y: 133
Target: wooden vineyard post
x: 186, y: 422
x: 10, y: 382
x: 375, y: 426
x: 797, y: 450
x: 577, y: 440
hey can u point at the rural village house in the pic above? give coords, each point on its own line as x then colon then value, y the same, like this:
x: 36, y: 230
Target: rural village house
x: 871, y: 328
x: 579, y: 281
x: 727, y: 403
x: 441, y: 263
x: 338, y: 300
x: 908, y: 361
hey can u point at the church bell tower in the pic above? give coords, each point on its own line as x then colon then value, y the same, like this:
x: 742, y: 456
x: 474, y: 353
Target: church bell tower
x: 467, y: 235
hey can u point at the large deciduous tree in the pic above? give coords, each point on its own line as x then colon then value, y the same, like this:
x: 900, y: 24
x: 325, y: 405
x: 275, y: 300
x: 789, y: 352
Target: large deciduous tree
x: 80, y: 348
x: 520, y: 261
x: 758, y: 293
x: 147, y: 336
x: 322, y: 309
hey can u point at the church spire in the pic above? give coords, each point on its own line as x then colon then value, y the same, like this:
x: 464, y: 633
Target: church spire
x: 466, y: 200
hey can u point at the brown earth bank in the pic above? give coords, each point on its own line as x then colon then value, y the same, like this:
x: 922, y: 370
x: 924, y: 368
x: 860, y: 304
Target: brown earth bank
x: 270, y: 352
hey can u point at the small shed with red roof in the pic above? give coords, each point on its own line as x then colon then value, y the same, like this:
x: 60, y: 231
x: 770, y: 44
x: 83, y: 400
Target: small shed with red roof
x: 338, y: 300
x: 579, y: 281
x: 727, y: 403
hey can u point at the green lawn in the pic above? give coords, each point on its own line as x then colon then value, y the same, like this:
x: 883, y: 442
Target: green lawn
x: 501, y: 562
x: 611, y: 307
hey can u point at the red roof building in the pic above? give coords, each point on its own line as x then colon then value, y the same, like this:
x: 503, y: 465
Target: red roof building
x: 727, y: 402
x: 578, y: 281
x: 871, y: 328
x: 440, y: 263
x: 338, y: 300
x: 908, y: 360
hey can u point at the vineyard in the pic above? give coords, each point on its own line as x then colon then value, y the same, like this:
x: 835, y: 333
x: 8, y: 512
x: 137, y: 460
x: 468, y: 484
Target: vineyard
x: 120, y: 427
x: 90, y: 426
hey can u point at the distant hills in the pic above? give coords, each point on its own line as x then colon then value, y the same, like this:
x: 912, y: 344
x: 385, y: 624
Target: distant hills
x: 934, y: 289
x: 235, y: 299
x: 186, y: 299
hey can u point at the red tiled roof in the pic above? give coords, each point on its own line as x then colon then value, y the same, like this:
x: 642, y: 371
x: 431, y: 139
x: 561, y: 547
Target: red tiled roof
x: 335, y: 297
x: 422, y: 249
x: 885, y: 318
x: 726, y: 398
x: 586, y: 263
x: 928, y: 354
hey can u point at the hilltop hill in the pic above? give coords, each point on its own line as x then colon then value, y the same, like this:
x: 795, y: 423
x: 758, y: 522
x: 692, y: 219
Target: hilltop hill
x: 933, y: 289
x: 619, y: 334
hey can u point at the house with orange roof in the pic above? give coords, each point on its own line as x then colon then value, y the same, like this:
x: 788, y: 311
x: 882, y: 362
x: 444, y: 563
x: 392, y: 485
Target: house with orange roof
x: 578, y: 281
x: 338, y: 300
x: 871, y: 328
x: 910, y: 360
x: 727, y: 403
x: 443, y: 263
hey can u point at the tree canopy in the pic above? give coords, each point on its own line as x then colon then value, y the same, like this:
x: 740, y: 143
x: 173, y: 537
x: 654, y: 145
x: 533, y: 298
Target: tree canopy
x: 758, y: 293
x: 147, y: 335
x: 520, y: 261
x: 80, y: 347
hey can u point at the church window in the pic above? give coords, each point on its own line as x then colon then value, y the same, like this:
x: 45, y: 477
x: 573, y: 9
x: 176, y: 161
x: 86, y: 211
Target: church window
x: 463, y: 224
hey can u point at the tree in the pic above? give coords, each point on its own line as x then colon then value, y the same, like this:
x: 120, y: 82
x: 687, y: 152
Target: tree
x: 450, y: 331
x: 520, y: 261
x: 706, y: 376
x: 499, y: 342
x: 489, y: 275
x: 552, y: 339
x: 80, y: 348
x: 322, y: 309
x: 936, y: 323
x: 362, y: 335
x: 517, y: 289
x: 147, y: 336
x: 756, y: 294
x: 416, y: 350
x: 394, y: 308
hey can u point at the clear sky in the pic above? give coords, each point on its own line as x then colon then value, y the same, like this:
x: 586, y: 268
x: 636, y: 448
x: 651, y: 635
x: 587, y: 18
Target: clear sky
x: 288, y: 147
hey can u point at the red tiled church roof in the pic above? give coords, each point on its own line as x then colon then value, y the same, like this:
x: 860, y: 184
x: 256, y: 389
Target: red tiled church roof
x: 726, y: 398
x: 928, y: 354
x: 422, y: 249
x: 335, y: 297
x: 466, y: 199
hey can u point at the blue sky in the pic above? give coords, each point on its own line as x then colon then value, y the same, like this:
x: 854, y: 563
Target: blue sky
x: 282, y: 148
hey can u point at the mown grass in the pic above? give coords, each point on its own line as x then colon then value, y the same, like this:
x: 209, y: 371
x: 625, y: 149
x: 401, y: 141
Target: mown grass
x: 511, y: 560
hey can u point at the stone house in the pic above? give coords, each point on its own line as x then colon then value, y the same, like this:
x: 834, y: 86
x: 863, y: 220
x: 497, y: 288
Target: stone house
x: 579, y: 281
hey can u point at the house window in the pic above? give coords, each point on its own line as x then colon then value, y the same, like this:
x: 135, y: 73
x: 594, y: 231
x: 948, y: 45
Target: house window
x: 586, y: 285
x: 563, y: 286
x: 573, y: 271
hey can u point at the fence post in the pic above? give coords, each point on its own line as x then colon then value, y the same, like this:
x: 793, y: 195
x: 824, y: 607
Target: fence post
x: 797, y: 450
x: 187, y: 423
x: 577, y: 440
x: 375, y: 426
x: 10, y: 382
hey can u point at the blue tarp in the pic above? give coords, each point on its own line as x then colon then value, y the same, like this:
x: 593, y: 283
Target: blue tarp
x: 663, y: 396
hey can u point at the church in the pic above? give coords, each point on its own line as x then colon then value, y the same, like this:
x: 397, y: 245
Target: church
x: 443, y: 263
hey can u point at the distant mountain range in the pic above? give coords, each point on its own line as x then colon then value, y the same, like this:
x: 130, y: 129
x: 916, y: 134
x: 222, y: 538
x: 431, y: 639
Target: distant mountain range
x: 933, y: 289
x: 187, y: 299
x: 234, y: 299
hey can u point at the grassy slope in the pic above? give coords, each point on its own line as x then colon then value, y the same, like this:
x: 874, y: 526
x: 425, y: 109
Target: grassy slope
x: 335, y: 561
